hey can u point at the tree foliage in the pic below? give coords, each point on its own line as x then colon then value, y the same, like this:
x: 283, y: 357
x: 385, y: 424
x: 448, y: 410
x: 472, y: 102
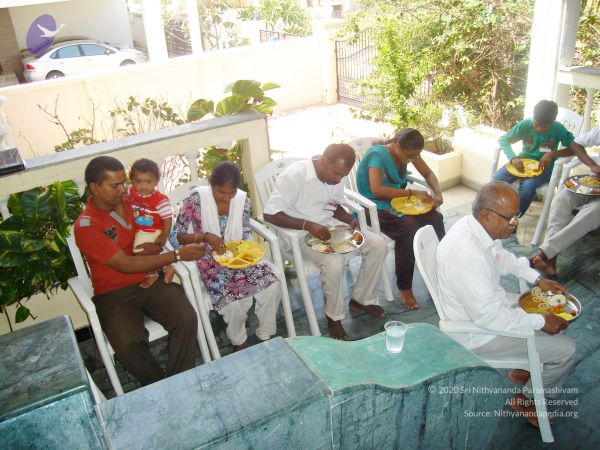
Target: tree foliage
x: 34, y: 256
x: 280, y: 15
x: 473, y: 53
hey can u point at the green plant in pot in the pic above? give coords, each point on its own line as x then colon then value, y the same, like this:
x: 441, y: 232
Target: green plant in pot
x: 245, y: 95
x: 34, y: 256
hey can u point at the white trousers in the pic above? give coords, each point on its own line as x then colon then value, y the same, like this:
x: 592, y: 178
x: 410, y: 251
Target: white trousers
x: 333, y: 267
x: 557, y: 354
x: 267, y: 302
x: 563, y: 228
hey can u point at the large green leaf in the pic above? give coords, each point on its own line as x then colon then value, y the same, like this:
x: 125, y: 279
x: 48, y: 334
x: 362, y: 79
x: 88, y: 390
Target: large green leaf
x: 57, y: 191
x: 266, y: 106
x: 199, y: 109
x: 22, y: 314
x: 36, y: 204
x: 269, y: 85
x: 247, y: 88
x: 230, y: 105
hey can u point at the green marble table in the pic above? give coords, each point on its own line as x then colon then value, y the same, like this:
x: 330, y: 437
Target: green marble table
x: 44, y: 391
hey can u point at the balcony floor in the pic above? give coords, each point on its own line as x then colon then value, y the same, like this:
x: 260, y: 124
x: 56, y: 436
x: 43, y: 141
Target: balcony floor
x: 579, y: 269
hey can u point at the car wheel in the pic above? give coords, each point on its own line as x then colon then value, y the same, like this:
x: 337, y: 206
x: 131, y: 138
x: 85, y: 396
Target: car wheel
x: 127, y: 62
x: 54, y: 74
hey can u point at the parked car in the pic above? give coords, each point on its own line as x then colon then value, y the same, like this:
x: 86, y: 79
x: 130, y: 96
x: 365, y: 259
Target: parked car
x: 77, y: 56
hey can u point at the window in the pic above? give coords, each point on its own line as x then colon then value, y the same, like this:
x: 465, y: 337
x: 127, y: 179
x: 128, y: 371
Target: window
x: 70, y: 51
x: 94, y: 50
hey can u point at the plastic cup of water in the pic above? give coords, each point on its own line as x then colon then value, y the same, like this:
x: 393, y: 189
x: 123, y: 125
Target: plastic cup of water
x: 394, y: 336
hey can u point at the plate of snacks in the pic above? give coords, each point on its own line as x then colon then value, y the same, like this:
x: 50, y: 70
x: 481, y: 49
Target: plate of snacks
x: 411, y: 206
x: 531, y: 166
x: 343, y: 239
x: 583, y: 184
x: 240, y: 254
x: 541, y: 302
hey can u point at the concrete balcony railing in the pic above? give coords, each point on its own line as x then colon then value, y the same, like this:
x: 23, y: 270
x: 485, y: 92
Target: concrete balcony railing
x: 187, y: 140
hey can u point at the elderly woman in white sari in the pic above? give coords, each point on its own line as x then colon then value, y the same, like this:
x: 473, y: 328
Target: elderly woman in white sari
x: 220, y: 213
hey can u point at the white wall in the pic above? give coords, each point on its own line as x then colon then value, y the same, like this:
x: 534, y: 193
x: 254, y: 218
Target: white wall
x: 304, y: 67
x: 105, y: 20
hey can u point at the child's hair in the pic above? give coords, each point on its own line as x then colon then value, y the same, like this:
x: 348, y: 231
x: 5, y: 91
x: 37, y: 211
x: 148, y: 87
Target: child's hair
x: 225, y: 173
x: 144, y: 166
x: 545, y: 112
x: 408, y: 138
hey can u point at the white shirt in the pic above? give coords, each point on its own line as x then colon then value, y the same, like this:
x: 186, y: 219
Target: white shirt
x: 299, y: 193
x: 589, y: 139
x: 470, y: 264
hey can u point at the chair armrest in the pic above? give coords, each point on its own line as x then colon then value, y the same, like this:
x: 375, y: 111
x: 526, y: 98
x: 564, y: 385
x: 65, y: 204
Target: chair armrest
x: 364, y: 203
x: 83, y: 297
x: 466, y: 326
x: 263, y: 231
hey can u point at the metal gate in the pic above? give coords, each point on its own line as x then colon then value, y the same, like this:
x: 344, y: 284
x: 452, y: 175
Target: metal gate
x: 354, y: 62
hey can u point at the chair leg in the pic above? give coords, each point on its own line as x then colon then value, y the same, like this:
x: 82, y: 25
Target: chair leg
x: 287, y: 309
x: 305, y: 291
x: 535, y: 370
x: 386, y: 284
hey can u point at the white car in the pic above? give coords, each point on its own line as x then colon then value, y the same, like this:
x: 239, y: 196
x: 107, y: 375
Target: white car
x: 77, y: 56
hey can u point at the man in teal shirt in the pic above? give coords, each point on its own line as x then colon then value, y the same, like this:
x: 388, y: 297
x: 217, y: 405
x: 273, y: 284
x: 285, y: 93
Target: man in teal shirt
x: 541, y: 136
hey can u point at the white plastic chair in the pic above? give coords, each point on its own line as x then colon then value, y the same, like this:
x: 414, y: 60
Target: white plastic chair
x: 82, y: 289
x: 425, y: 246
x: 176, y: 197
x: 573, y: 122
x: 265, y: 180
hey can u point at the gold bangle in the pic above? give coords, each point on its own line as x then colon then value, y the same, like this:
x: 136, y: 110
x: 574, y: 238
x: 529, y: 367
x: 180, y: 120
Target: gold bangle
x: 303, y: 223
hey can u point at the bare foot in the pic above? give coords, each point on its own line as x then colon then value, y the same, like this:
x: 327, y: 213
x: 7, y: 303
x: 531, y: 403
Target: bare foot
x: 548, y: 266
x: 372, y: 310
x: 336, y: 330
x: 169, y: 273
x: 519, y: 376
x: 409, y: 299
x: 525, y: 407
x: 149, y: 280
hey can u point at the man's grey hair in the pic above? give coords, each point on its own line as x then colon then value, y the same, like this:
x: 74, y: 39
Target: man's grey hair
x: 490, y: 196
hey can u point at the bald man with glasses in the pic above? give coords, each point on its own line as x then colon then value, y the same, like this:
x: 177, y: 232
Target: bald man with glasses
x: 471, y: 261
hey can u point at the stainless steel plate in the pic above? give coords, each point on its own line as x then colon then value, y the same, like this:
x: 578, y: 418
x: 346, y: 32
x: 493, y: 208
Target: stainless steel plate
x: 527, y: 302
x: 343, y: 240
x: 580, y: 184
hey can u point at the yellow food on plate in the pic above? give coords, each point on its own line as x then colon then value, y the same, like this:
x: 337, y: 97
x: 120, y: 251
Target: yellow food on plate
x: 240, y: 254
x: 531, y: 168
x: 590, y: 181
x: 411, y: 205
x: 566, y: 316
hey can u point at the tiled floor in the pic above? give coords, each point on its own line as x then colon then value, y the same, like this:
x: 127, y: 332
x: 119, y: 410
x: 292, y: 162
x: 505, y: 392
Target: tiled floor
x: 579, y: 269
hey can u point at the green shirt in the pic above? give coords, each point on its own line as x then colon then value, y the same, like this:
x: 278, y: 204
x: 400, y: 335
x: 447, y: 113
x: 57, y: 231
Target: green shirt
x: 533, y: 141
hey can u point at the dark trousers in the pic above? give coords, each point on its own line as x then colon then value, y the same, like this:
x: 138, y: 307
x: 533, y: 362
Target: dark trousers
x: 121, y: 315
x: 402, y: 231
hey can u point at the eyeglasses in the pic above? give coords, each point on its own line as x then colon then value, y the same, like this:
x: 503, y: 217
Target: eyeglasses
x: 511, y: 220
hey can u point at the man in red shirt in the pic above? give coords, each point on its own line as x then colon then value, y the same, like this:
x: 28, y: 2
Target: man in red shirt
x: 104, y: 233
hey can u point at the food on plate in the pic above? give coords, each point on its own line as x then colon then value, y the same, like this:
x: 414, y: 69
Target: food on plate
x: 343, y: 247
x: 322, y: 247
x: 357, y: 238
x: 223, y: 257
x: 566, y: 316
x: 537, y: 301
x: 570, y: 184
x: 240, y: 254
x: 589, y: 180
x: 583, y: 190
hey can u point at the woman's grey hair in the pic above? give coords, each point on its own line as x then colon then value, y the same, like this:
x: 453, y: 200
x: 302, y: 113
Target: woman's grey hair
x: 490, y: 195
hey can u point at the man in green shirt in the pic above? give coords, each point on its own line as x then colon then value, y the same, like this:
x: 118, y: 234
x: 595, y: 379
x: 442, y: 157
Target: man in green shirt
x: 541, y: 136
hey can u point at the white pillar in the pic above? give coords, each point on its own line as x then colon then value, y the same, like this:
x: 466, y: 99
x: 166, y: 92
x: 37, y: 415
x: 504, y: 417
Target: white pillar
x: 154, y: 30
x: 546, y: 33
x: 572, y: 10
x: 194, y: 24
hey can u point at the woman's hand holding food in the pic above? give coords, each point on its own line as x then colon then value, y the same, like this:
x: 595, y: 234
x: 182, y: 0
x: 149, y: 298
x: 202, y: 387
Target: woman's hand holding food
x: 423, y: 195
x: 216, y: 242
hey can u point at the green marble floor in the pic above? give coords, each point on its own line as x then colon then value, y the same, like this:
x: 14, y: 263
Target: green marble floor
x: 579, y: 269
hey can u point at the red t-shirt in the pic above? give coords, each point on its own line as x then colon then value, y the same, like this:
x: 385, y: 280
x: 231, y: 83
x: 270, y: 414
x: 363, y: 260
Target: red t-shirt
x: 149, y: 212
x: 100, y: 235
